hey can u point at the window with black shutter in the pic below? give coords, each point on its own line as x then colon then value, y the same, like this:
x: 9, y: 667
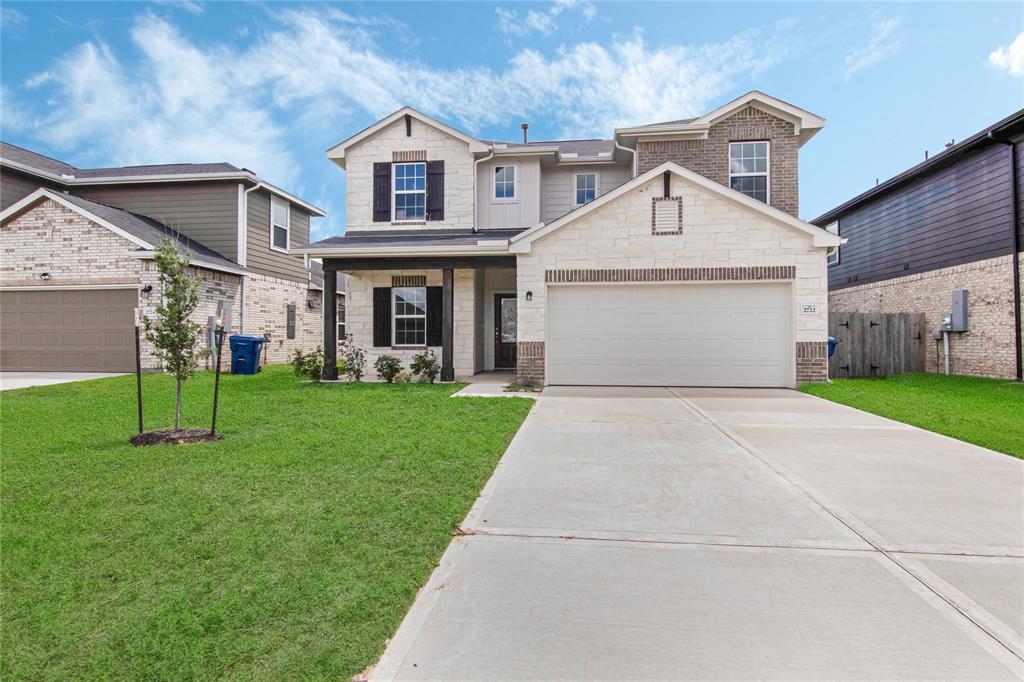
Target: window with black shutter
x: 382, y: 317
x: 382, y: 192
x: 435, y: 190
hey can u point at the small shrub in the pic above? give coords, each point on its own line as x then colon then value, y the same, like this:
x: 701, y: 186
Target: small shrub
x: 425, y: 366
x: 387, y: 366
x: 403, y: 377
x: 355, y: 360
x: 309, y: 364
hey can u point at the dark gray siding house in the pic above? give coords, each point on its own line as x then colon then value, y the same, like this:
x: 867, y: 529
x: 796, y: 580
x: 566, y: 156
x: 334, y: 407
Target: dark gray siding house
x: 951, y: 222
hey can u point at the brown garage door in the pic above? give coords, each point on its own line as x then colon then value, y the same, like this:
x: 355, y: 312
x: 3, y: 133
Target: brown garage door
x: 69, y: 330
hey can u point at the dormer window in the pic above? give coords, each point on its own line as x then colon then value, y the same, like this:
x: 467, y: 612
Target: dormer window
x: 410, y: 190
x: 505, y: 182
x: 748, y: 169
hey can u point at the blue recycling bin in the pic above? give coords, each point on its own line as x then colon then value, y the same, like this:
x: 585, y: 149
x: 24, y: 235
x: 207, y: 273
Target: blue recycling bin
x: 832, y: 341
x: 245, y: 353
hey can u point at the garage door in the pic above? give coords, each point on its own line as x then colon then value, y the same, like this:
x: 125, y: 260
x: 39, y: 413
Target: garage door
x: 670, y: 335
x: 83, y: 330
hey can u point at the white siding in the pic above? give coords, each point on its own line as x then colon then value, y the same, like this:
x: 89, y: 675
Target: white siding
x: 524, y: 211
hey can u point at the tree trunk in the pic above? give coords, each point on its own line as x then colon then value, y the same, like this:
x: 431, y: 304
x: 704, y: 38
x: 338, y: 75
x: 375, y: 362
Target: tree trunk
x: 177, y: 405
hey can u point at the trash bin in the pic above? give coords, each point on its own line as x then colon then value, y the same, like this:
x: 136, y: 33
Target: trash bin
x: 245, y: 353
x: 832, y: 341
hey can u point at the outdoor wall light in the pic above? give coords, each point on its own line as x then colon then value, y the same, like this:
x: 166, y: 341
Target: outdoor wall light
x: 44, y: 276
x: 529, y: 295
x: 147, y: 289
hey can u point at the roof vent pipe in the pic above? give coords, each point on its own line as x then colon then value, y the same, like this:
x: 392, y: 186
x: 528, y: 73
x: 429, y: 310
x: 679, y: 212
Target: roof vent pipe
x: 525, y: 127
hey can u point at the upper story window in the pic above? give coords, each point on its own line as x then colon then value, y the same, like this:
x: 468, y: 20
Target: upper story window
x: 504, y: 182
x: 748, y: 169
x: 410, y: 189
x: 833, y: 253
x: 410, y: 316
x: 280, y: 224
x: 586, y: 188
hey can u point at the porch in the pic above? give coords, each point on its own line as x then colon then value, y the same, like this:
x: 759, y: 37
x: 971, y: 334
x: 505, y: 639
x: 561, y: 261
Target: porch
x: 464, y: 308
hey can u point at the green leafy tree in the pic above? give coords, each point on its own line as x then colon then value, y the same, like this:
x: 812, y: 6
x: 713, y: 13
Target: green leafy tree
x: 174, y: 335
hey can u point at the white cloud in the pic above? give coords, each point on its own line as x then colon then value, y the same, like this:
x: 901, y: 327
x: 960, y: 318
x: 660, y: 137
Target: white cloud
x: 275, y: 102
x: 1010, y: 58
x: 543, y: 22
x: 882, y: 44
x: 11, y: 19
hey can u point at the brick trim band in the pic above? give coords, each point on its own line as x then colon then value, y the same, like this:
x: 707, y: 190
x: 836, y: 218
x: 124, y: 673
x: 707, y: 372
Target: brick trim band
x: 414, y: 155
x: 408, y: 280
x: 530, y: 362
x: 723, y: 274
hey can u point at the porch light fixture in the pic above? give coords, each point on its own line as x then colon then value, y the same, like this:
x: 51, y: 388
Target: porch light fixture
x: 44, y: 276
x: 148, y: 289
x: 529, y: 295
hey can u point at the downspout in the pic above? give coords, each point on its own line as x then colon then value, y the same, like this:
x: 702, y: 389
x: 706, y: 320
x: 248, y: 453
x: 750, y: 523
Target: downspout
x: 476, y: 202
x: 1015, y: 250
x: 627, y: 149
x: 243, y: 217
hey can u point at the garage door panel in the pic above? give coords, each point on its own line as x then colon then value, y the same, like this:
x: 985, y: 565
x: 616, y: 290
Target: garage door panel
x: 68, y: 330
x: 686, y: 334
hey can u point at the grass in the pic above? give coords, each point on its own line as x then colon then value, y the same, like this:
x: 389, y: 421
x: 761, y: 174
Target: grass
x: 986, y: 412
x: 290, y: 549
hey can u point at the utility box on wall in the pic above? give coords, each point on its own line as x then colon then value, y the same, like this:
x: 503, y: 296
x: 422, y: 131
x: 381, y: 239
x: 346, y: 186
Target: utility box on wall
x: 958, y: 323
x: 290, y: 324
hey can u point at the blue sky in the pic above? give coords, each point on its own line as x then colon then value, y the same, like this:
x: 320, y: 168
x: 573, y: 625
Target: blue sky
x: 271, y: 85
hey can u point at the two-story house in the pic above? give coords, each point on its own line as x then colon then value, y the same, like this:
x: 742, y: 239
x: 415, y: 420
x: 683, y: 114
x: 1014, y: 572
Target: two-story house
x: 669, y: 254
x: 77, y: 257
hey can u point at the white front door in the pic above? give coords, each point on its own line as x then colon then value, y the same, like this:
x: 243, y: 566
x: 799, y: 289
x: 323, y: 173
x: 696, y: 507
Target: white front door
x: 670, y: 335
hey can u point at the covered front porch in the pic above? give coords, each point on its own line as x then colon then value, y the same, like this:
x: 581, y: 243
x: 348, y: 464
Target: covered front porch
x: 462, y: 307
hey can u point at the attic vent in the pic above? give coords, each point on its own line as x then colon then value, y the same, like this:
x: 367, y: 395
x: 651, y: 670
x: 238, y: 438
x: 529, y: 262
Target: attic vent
x: 667, y: 215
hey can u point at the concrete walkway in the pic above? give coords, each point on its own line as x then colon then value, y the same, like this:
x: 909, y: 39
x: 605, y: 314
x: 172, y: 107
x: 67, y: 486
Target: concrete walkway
x: 10, y: 380
x: 726, y: 534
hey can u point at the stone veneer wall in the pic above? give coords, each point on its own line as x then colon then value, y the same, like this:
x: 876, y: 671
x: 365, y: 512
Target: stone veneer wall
x: 359, y: 317
x: 720, y: 239
x: 710, y: 157
x: 987, y: 349
x: 76, y: 252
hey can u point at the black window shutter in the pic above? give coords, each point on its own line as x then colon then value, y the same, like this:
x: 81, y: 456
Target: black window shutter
x: 434, y: 315
x: 435, y: 190
x: 290, y: 322
x: 382, y: 193
x: 381, y: 317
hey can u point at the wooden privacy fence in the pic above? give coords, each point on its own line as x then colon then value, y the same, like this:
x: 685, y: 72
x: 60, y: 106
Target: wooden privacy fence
x: 876, y: 344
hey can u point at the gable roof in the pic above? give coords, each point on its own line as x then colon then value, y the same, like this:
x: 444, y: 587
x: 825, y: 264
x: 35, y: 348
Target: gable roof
x: 140, y: 230
x: 32, y: 163
x: 521, y: 242
x: 805, y: 124
x: 337, y: 152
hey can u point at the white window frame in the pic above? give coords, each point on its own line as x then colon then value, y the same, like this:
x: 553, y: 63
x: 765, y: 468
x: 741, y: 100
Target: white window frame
x: 287, y: 227
x: 768, y: 168
x: 833, y: 251
x: 515, y: 183
x: 395, y: 192
x: 597, y: 185
x: 395, y: 317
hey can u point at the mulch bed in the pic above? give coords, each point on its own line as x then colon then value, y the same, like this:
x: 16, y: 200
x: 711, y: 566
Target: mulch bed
x: 173, y: 437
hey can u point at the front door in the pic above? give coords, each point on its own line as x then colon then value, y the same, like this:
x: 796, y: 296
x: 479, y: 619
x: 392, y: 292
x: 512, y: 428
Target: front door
x: 504, y: 331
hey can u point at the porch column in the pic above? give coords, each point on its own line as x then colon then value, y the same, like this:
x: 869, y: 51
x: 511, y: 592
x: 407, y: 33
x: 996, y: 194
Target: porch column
x: 447, y: 325
x: 330, y: 306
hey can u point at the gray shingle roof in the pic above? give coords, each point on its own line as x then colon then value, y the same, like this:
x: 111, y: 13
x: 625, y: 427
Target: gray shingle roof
x: 316, y: 278
x: 33, y: 160
x: 678, y: 121
x: 397, y: 238
x: 151, y: 231
x: 44, y: 163
x: 579, y: 147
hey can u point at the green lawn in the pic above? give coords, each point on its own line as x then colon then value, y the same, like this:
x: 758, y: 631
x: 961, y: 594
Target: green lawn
x: 290, y: 549
x: 986, y: 412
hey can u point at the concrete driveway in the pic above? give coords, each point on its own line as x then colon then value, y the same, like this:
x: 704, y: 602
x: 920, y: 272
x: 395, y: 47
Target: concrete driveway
x: 727, y: 534
x: 9, y: 380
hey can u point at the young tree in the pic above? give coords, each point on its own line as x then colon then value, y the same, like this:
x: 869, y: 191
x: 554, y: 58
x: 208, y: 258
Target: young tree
x: 174, y: 335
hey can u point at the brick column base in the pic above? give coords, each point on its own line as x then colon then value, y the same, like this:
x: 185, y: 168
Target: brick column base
x: 530, y: 362
x: 811, y: 362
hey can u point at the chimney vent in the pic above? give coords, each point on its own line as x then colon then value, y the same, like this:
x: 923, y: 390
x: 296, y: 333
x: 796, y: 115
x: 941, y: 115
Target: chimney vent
x: 525, y: 126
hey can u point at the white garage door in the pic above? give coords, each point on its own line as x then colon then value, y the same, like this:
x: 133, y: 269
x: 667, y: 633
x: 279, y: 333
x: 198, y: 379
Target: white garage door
x: 670, y: 335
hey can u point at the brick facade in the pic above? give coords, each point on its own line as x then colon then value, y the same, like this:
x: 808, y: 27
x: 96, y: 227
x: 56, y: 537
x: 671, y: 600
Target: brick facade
x: 710, y: 156
x: 987, y: 349
x: 530, y: 362
x: 811, y: 362
x: 266, y: 310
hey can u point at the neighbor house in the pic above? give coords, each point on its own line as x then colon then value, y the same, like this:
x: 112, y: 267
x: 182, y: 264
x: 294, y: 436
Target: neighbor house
x: 952, y: 222
x: 668, y: 254
x: 77, y: 249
